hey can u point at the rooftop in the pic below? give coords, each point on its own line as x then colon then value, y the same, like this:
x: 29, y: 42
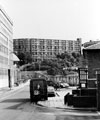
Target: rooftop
x: 93, y: 47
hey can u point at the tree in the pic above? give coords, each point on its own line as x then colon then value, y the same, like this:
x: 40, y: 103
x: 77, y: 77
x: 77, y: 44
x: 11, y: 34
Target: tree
x: 75, y: 55
x: 24, y: 58
x: 28, y: 58
x: 21, y: 56
x: 69, y: 60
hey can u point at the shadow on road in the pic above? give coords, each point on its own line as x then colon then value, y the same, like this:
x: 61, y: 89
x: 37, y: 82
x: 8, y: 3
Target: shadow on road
x: 25, y: 105
x: 16, y: 100
x: 15, y: 103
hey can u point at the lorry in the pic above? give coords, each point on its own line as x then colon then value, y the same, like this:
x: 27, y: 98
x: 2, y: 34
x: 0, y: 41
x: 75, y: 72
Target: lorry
x: 38, y: 89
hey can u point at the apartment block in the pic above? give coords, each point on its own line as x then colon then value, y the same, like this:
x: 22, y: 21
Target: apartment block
x: 46, y: 48
x: 6, y: 49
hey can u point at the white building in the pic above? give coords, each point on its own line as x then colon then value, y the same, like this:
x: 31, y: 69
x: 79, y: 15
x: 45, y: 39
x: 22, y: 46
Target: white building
x: 6, y: 50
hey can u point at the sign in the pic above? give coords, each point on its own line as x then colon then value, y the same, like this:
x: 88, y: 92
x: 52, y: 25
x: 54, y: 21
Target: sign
x: 83, y: 76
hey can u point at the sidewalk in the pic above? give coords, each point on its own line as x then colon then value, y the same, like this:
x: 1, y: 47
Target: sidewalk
x: 58, y: 102
x: 4, y: 92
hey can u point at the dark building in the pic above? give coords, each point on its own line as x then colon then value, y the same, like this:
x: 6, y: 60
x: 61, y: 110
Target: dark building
x: 92, y: 57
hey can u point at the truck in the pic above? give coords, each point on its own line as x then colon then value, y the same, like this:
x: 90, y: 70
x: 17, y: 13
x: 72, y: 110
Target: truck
x: 38, y: 90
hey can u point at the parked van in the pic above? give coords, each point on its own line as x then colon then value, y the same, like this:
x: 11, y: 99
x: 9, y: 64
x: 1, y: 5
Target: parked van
x: 38, y: 89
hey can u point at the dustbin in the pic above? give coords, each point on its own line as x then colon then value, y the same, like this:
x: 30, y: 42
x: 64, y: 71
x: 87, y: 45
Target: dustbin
x: 66, y: 98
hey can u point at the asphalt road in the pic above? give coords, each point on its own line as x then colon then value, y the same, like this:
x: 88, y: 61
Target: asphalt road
x: 17, y: 106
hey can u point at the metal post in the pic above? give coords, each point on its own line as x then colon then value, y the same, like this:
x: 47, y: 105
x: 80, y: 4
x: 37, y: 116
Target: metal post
x: 9, y: 79
x: 9, y: 70
x: 79, y: 77
x: 86, y: 77
x: 98, y: 89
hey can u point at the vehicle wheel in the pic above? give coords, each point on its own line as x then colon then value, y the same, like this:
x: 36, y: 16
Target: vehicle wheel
x: 31, y: 98
x: 45, y: 98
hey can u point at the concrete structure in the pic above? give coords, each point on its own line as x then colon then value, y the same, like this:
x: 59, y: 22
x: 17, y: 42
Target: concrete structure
x: 46, y: 48
x: 6, y: 50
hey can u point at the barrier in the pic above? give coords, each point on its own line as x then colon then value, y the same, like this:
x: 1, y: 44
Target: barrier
x: 84, y: 101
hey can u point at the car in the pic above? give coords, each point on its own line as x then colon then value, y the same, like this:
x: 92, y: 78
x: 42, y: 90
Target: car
x: 53, y: 84
x: 64, y: 85
x: 51, y: 91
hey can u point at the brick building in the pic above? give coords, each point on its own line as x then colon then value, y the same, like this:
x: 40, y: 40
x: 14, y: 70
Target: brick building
x: 92, y: 57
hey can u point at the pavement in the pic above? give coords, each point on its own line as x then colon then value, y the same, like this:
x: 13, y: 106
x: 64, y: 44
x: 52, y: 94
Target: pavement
x: 6, y: 91
x: 58, y: 101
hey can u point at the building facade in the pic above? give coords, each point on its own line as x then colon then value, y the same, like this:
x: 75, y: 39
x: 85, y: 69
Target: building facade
x: 92, y: 58
x: 6, y: 49
x: 91, y: 42
x: 46, y: 48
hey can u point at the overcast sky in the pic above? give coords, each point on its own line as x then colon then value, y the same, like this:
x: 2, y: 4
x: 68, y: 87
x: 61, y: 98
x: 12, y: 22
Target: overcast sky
x: 54, y: 19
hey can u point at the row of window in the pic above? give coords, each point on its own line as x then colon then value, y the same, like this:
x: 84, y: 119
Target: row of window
x: 4, y: 30
x: 47, y: 47
x: 3, y: 71
x: 3, y: 60
x: 42, y: 53
x: 3, y: 49
x: 39, y: 42
x: 3, y: 39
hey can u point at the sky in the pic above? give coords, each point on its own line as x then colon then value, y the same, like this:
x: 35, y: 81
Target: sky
x: 54, y: 19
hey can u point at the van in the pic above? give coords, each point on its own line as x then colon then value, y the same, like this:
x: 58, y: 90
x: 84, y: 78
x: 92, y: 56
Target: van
x: 38, y: 89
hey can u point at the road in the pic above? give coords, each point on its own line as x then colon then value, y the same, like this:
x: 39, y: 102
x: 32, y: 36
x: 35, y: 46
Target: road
x: 17, y: 106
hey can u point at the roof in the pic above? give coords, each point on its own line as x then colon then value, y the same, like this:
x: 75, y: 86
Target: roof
x: 93, y: 47
x: 15, y: 58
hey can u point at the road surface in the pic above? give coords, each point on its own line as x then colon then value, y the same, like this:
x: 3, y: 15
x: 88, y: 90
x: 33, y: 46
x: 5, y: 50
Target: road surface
x: 17, y: 106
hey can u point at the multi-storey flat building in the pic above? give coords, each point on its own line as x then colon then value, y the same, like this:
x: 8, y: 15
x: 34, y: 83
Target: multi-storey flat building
x: 46, y: 48
x: 6, y: 49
